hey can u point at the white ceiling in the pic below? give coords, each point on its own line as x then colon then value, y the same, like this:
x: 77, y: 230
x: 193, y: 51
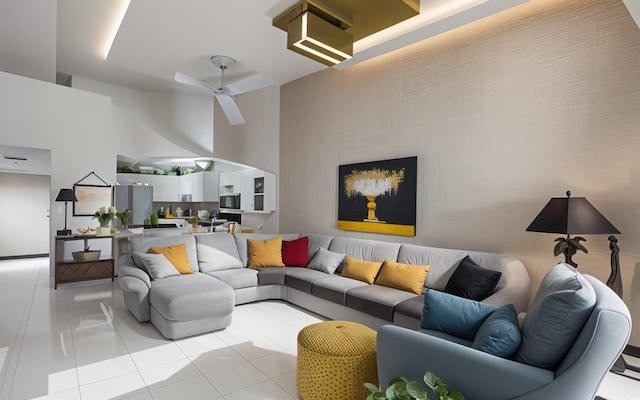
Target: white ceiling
x: 159, y: 37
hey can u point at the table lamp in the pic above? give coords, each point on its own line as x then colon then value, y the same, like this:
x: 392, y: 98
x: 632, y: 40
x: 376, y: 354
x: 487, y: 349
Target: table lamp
x: 570, y: 216
x: 65, y: 195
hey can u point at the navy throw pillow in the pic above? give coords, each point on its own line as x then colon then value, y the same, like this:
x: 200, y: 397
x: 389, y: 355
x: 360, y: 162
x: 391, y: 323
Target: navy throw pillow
x: 500, y: 333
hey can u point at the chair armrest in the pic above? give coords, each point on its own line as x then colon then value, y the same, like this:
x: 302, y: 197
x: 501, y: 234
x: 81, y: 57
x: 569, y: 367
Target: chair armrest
x: 477, y: 375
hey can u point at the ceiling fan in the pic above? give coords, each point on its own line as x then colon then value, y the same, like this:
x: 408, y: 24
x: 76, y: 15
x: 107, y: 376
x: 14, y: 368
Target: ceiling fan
x: 225, y: 93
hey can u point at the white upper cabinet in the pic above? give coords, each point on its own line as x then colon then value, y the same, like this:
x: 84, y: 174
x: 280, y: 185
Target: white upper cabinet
x: 257, y: 189
x: 211, y: 186
x: 192, y: 184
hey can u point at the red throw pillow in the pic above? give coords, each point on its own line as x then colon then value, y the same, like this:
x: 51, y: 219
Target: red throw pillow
x: 295, y: 253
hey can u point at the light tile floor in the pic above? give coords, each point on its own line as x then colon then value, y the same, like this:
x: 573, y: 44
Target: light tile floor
x: 80, y: 342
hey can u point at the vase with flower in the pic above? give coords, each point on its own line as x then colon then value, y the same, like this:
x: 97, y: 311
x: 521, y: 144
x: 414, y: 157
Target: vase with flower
x: 124, y: 216
x: 104, y: 215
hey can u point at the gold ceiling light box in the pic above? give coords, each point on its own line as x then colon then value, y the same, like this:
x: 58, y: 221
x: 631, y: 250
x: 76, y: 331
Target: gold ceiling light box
x: 325, y: 30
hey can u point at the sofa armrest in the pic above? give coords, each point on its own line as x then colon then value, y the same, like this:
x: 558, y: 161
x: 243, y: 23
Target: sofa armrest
x: 136, y: 285
x: 126, y: 268
x: 403, y: 352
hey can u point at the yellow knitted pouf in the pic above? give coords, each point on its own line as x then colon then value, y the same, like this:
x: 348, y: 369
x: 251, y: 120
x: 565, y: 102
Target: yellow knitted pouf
x: 335, y: 360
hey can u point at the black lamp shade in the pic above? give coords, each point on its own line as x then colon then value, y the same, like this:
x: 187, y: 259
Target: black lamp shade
x: 66, y: 195
x: 570, y: 216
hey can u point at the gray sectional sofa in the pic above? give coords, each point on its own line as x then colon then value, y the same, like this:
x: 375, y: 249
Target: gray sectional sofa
x: 192, y: 304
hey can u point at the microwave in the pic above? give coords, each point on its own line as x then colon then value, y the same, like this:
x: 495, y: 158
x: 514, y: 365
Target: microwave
x: 230, y: 201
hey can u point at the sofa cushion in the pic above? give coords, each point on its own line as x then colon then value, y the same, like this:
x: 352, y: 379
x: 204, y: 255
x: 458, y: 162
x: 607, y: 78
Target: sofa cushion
x: 295, y: 253
x: 271, y: 276
x: 217, y: 252
x: 316, y: 242
x: 375, y: 300
x: 190, y: 297
x: 555, y: 318
x: 326, y: 261
x: 334, y: 288
x: 265, y: 253
x: 452, y: 314
x: 499, y: 334
x: 177, y: 255
x: 237, y: 278
x: 411, y: 307
x: 142, y: 245
x: 156, y: 265
x: 303, y: 278
x: 364, y: 249
x: 362, y: 270
x: 403, y: 276
x: 471, y: 281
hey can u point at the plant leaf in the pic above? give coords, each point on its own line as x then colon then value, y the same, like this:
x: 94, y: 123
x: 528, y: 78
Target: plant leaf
x: 559, y: 247
x: 416, y: 390
x: 372, y: 388
x: 575, y: 242
x: 456, y: 396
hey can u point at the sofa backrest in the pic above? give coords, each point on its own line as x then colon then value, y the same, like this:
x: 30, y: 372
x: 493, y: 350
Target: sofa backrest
x: 142, y: 245
x: 241, y: 242
x: 316, y: 242
x: 444, y: 261
x: 217, y: 251
x: 364, y: 249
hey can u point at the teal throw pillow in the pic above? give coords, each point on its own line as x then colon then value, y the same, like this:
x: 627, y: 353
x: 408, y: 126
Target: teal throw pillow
x: 454, y: 315
x: 499, y: 334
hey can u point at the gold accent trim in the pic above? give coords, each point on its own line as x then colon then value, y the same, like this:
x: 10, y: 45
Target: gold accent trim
x: 377, y: 227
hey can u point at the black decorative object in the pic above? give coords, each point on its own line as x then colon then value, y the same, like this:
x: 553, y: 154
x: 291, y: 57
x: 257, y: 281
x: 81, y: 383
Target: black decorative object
x: 570, y: 216
x: 65, y: 195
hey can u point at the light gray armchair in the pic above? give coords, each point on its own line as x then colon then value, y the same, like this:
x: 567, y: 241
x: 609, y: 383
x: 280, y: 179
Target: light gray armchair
x: 481, y: 376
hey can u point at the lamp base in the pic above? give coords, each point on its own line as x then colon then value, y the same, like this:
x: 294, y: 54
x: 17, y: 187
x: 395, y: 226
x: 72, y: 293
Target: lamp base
x: 64, y: 232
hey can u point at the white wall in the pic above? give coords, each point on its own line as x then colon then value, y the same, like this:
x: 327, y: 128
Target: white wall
x: 83, y: 130
x: 180, y: 118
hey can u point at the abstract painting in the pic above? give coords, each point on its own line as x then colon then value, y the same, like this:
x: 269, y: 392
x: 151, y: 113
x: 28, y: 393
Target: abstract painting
x: 378, y: 196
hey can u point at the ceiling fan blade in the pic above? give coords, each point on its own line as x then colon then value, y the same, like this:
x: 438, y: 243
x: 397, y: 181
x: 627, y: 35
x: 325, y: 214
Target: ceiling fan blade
x: 249, y: 84
x: 230, y: 109
x: 191, y: 81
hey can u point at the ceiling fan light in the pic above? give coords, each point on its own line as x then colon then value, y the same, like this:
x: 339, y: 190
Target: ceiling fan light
x: 318, y: 39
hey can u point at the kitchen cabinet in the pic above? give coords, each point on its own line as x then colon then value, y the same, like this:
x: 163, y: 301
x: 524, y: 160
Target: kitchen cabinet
x: 257, y: 189
x: 74, y: 271
x: 192, y: 184
x: 211, y: 186
x: 125, y: 178
x: 264, y: 191
x: 166, y: 187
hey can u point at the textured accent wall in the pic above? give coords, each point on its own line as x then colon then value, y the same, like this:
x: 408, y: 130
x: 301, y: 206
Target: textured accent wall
x: 503, y: 114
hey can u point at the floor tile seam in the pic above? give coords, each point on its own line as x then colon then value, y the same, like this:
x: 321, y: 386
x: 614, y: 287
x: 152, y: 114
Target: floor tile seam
x: 294, y: 395
x: 247, y: 387
x: 235, y: 391
x: 14, y: 356
x: 218, y: 369
x: 158, y: 385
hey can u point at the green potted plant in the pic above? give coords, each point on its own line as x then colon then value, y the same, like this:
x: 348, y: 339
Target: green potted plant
x: 403, y: 389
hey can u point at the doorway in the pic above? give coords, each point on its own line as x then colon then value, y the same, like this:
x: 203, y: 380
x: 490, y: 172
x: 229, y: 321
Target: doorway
x: 25, y: 190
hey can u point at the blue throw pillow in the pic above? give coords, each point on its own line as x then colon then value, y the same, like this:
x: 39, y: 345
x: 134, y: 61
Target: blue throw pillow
x: 499, y: 334
x: 556, y: 316
x: 452, y: 314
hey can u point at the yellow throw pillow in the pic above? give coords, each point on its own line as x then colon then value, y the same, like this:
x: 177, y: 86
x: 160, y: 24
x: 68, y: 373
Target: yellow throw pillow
x: 177, y: 255
x: 403, y: 276
x: 361, y: 270
x: 265, y: 253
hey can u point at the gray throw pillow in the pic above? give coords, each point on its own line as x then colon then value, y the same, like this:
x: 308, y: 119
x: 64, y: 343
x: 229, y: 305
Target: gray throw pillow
x: 157, y: 265
x: 326, y: 261
x: 557, y: 314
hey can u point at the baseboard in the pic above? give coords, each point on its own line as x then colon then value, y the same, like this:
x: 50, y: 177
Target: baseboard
x: 24, y: 256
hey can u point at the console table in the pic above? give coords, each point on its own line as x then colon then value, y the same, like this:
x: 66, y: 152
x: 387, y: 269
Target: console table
x: 74, y: 271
